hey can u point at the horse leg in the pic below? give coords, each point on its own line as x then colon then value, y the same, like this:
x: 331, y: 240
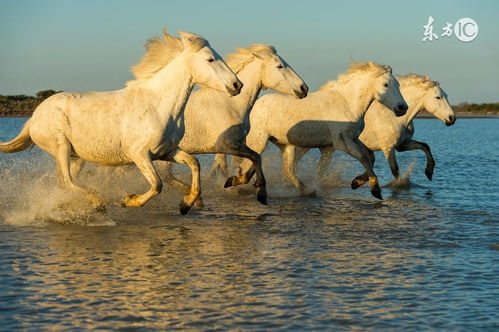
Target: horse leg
x: 244, y: 151
x: 430, y: 162
x: 358, y: 150
x: 63, y: 160
x: 170, y: 178
x: 392, y: 161
x: 256, y: 143
x: 146, y: 167
x: 299, y: 153
x: 220, y: 164
x: 75, y: 165
x: 364, y: 177
x: 326, y: 159
x: 288, y: 168
x: 182, y: 157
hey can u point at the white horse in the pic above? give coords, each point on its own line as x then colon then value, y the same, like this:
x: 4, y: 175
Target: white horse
x: 138, y: 124
x: 386, y: 132
x: 331, y: 116
x: 217, y: 123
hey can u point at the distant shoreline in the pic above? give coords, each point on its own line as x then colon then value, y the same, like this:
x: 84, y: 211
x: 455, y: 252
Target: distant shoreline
x: 462, y: 116
x: 23, y: 106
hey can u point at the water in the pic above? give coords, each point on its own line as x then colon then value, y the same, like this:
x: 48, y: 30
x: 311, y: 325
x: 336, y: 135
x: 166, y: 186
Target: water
x: 425, y: 258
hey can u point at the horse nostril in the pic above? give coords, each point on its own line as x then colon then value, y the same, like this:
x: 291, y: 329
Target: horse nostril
x: 403, y: 107
x: 451, y: 121
x: 237, y: 86
x: 303, y: 91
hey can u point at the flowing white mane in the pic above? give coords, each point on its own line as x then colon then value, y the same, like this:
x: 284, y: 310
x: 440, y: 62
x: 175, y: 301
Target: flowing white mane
x: 160, y: 52
x: 420, y: 80
x: 243, y: 56
x: 356, y: 68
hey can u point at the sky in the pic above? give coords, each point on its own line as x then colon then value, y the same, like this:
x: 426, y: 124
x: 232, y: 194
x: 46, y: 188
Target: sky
x: 90, y: 45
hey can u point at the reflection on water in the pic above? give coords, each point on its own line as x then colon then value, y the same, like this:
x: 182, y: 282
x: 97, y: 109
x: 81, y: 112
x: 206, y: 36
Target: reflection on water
x: 424, y: 257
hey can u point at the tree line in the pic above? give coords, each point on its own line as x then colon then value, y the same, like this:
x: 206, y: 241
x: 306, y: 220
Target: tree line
x: 23, y: 106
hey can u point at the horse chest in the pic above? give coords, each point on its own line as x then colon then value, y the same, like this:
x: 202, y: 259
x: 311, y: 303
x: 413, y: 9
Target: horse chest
x: 405, y: 135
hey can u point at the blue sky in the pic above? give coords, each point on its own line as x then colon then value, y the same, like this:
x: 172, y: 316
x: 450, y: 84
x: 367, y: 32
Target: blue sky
x: 90, y: 45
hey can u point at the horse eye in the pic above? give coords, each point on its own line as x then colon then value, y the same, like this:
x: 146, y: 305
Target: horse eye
x: 438, y: 97
x: 211, y: 60
x: 280, y: 66
x: 386, y: 85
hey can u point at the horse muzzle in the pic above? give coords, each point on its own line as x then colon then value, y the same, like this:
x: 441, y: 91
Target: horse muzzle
x: 302, y: 93
x: 235, y: 89
x: 401, y: 109
x: 450, y: 121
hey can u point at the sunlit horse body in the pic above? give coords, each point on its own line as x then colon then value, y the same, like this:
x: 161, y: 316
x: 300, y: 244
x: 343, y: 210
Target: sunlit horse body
x: 386, y: 132
x: 331, y: 116
x: 218, y: 123
x: 137, y: 124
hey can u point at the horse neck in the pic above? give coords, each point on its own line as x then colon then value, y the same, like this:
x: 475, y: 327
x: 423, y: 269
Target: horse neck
x: 250, y: 75
x: 357, y: 95
x: 413, y: 98
x: 173, y: 86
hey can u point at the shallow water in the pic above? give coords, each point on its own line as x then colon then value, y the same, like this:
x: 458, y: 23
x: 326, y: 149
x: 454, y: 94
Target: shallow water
x: 426, y: 257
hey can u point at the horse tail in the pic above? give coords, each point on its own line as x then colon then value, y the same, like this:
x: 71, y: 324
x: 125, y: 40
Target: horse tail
x: 20, y: 143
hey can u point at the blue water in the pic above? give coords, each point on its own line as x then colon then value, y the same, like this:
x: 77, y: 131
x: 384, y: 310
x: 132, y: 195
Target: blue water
x: 424, y: 258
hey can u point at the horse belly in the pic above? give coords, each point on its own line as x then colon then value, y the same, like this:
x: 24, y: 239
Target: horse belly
x: 100, y: 151
x: 310, y: 133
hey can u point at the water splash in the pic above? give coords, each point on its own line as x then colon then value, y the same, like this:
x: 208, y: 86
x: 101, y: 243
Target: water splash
x: 40, y: 203
x: 30, y: 197
x: 404, y: 182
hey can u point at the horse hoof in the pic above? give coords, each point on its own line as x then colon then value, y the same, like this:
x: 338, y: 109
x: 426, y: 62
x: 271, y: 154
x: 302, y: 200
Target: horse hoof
x: 262, y: 198
x: 356, y: 183
x: 309, y: 193
x: 130, y: 201
x: 429, y: 174
x: 229, y: 182
x: 184, y: 207
x: 376, y: 193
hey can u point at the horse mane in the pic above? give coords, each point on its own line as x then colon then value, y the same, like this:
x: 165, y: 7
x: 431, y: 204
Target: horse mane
x: 356, y: 68
x: 419, y: 80
x: 160, y: 51
x: 243, y: 56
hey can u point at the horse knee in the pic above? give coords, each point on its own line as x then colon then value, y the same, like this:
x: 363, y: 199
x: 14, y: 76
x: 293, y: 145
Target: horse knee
x: 257, y: 159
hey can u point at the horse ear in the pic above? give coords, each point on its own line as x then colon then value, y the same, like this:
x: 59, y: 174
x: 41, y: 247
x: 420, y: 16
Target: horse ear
x: 186, y: 38
x: 388, y: 69
x: 437, y: 83
x: 191, y: 40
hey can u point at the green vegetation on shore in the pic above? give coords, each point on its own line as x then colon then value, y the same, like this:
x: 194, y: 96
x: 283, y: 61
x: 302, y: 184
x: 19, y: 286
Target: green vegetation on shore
x: 23, y: 106
x: 485, y: 108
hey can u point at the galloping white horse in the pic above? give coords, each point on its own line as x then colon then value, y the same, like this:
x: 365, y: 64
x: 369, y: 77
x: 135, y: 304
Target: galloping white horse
x: 217, y: 123
x: 137, y: 124
x: 386, y: 132
x: 331, y: 116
